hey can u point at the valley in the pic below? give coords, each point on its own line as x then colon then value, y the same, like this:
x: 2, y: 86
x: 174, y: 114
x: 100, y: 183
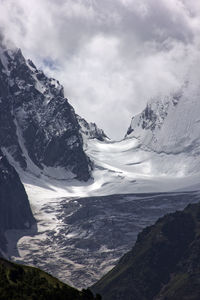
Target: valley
x: 85, y: 227
x: 90, y: 196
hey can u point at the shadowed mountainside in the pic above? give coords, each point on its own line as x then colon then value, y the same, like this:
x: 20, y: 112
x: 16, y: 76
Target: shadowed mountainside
x: 164, y: 264
x: 15, y: 211
x: 27, y: 283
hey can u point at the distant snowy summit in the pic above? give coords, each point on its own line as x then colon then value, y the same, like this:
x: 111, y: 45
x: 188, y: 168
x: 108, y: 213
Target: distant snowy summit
x: 170, y: 124
x: 39, y: 130
x: 91, y: 131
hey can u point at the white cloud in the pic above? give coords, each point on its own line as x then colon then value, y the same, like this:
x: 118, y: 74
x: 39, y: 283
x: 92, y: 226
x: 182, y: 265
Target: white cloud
x: 111, y: 55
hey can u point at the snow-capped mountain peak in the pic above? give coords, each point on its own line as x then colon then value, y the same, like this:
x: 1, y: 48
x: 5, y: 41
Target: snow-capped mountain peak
x: 39, y: 128
x: 170, y: 124
x: 90, y: 130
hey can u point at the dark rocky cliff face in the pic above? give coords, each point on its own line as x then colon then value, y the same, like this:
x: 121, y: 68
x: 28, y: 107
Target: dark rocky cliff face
x: 164, y: 264
x: 15, y: 211
x: 37, y: 123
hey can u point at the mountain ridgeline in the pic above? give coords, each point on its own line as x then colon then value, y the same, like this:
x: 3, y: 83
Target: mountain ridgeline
x: 38, y: 127
x: 170, y: 124
x: 91, y: 131
x: 164, y: 264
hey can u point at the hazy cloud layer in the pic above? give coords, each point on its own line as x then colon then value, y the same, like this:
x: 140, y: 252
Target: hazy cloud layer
x: 110, y: 55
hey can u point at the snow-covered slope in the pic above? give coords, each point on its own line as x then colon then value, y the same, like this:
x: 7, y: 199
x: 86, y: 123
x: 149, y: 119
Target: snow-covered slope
x: 170, y: 124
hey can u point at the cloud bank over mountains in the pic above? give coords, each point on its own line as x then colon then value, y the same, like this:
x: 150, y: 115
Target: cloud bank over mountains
x: 111, y: 55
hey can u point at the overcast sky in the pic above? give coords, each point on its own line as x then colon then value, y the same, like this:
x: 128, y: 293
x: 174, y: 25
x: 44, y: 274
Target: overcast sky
x: 112, y: 56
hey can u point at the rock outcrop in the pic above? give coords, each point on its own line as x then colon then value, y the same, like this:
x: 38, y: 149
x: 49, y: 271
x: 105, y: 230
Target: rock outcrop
x: 15, y: 211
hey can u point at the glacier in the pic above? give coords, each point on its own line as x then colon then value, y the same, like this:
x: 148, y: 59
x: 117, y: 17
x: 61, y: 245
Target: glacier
x: 85, y: 227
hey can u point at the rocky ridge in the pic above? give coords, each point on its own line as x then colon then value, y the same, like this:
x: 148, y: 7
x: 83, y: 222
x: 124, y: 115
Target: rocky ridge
x: 39, y: 128
x: 90, y: 130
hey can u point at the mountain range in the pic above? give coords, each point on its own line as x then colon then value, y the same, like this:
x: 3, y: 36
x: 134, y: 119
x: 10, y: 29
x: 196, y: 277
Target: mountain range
x: 72, y: 201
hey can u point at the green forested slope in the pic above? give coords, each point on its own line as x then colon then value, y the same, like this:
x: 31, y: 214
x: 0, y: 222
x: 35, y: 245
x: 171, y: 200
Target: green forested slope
x: 18, y: 282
